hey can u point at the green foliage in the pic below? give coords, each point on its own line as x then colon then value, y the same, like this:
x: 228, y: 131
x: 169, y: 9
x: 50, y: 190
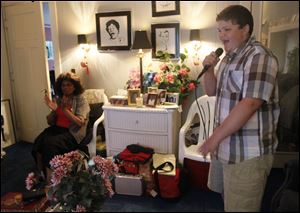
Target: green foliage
x: 174, y: 76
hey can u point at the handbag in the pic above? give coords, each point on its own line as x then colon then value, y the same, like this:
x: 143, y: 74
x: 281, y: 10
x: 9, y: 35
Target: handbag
x: 168, y: 186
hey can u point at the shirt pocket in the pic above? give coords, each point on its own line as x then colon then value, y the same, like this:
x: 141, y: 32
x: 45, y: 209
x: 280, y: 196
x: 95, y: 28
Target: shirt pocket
x: 235, y: 81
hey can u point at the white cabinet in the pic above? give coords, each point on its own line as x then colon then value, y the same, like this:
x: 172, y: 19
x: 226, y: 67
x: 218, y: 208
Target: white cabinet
x: 157, y: 128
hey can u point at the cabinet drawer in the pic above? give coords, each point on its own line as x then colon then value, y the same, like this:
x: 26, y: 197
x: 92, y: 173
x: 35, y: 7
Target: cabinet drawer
x: 119, y: 141
x: 141, y: 121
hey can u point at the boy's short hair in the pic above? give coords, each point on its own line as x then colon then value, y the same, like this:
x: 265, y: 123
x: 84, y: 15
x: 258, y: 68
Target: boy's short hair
x: 238, y: 15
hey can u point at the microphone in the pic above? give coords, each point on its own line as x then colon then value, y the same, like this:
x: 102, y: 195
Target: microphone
x: 218, y: 52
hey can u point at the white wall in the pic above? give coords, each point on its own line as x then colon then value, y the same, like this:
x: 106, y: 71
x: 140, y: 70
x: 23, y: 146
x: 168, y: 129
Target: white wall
x: 110, y: 70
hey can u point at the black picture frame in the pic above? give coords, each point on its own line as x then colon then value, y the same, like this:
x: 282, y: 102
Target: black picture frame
x: 165, y: 38
x: 151, y: 99
x: 165, y: 8
x: 109, y: 40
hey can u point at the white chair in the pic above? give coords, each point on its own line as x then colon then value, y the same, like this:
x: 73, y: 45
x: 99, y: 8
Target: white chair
x: 94, y: 97
x: 206, y: 119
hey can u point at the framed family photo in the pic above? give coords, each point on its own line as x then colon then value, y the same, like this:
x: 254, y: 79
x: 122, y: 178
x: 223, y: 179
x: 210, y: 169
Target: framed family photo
x: 165, y: 8
x: 172, y: 98
x: 165, y: 38
x: 132, y: 95
x: 113, y: 30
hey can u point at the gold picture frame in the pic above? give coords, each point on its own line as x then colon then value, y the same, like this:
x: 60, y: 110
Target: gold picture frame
x: 152, y: 89
x: 132, y: 94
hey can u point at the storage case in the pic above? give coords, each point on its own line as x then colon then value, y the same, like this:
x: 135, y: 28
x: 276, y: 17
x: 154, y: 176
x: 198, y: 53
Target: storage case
x: 129, y: 184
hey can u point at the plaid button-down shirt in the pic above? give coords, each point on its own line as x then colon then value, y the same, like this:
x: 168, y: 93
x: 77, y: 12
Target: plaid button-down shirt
x: 250, y: 71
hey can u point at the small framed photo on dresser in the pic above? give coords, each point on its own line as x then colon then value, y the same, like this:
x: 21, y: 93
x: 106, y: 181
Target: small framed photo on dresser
x: 152, y: 89
x: 161, y: 96
x: 172, y: 98
x: 132, y: 95
x: 152, y: 99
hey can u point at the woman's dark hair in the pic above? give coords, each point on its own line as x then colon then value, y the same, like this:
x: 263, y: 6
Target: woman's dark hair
x: 71, y: 77
x: 114, y: 22
x: 238, y: 15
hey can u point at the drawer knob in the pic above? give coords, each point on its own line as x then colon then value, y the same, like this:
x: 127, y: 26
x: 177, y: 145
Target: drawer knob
x: 136, y: 121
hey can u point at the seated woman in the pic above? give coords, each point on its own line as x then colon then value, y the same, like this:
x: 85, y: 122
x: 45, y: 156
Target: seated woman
x: 68, y: 121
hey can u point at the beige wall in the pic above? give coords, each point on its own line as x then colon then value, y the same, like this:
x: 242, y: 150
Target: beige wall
x: 110, y: 70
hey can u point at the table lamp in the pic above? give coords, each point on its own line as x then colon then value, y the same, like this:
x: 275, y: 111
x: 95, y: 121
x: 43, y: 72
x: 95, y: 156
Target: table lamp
x: 141, y: 42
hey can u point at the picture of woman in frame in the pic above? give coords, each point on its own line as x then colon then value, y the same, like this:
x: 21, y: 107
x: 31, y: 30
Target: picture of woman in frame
x: 162, y: 96
x: 132, y: 95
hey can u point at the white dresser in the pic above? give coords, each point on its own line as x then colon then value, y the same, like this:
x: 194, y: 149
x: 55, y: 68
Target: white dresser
x: 157, y: 128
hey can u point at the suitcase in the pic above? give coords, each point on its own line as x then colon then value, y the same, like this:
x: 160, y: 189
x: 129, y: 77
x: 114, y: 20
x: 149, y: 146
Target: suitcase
x: 129, y: 184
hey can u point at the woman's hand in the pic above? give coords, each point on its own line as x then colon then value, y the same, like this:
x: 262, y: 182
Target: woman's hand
x: 51, y: 104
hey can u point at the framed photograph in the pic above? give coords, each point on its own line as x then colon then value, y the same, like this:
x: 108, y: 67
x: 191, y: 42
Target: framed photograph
x: 165, y: 8
x: 152, y: 89
x: 161, y: 96
x: 113, y: 30
x: 165, y: 38
x: 172, y: 98
x: 132, y: 95
x: 151, y: 99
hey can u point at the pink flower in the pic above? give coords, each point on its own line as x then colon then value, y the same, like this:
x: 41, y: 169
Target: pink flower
x: 192, y: 86
x: 134, y: 79
x: 163, y: 67
x: 157, y: 78
x: 30, y: 181
x: 80, y: 208
x: 183, y: 72
x: 170, y: 78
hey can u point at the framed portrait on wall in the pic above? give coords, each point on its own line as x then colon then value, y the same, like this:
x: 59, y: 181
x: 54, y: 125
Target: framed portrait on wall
x: 113, y: 30
x: 165, y: 38
x: 165, y: 8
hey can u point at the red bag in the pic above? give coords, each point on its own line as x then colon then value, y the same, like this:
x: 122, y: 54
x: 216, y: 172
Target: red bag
x: 168, y: 186
x: 197, y: 173
x: 129, y: 167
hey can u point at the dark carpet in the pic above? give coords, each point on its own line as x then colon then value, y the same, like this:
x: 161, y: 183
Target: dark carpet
x: 18, y: 162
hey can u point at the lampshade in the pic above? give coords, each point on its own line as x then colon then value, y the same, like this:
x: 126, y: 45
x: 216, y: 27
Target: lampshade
x: 81, y: 39
x: 141, y: 40
x: 195, y: 35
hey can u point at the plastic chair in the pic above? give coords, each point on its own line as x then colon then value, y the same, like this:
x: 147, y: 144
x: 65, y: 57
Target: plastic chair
x: 96, y: 99
x: 206, y: 119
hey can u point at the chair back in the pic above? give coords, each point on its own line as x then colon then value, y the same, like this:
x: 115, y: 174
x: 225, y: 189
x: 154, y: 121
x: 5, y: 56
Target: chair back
x: 96, y: 99
x: 204, y: 107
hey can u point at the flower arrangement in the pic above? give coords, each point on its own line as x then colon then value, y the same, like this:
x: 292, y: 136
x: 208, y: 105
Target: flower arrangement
x: 77, y: 185
x: 174, y: 77
x: 134, y: 79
